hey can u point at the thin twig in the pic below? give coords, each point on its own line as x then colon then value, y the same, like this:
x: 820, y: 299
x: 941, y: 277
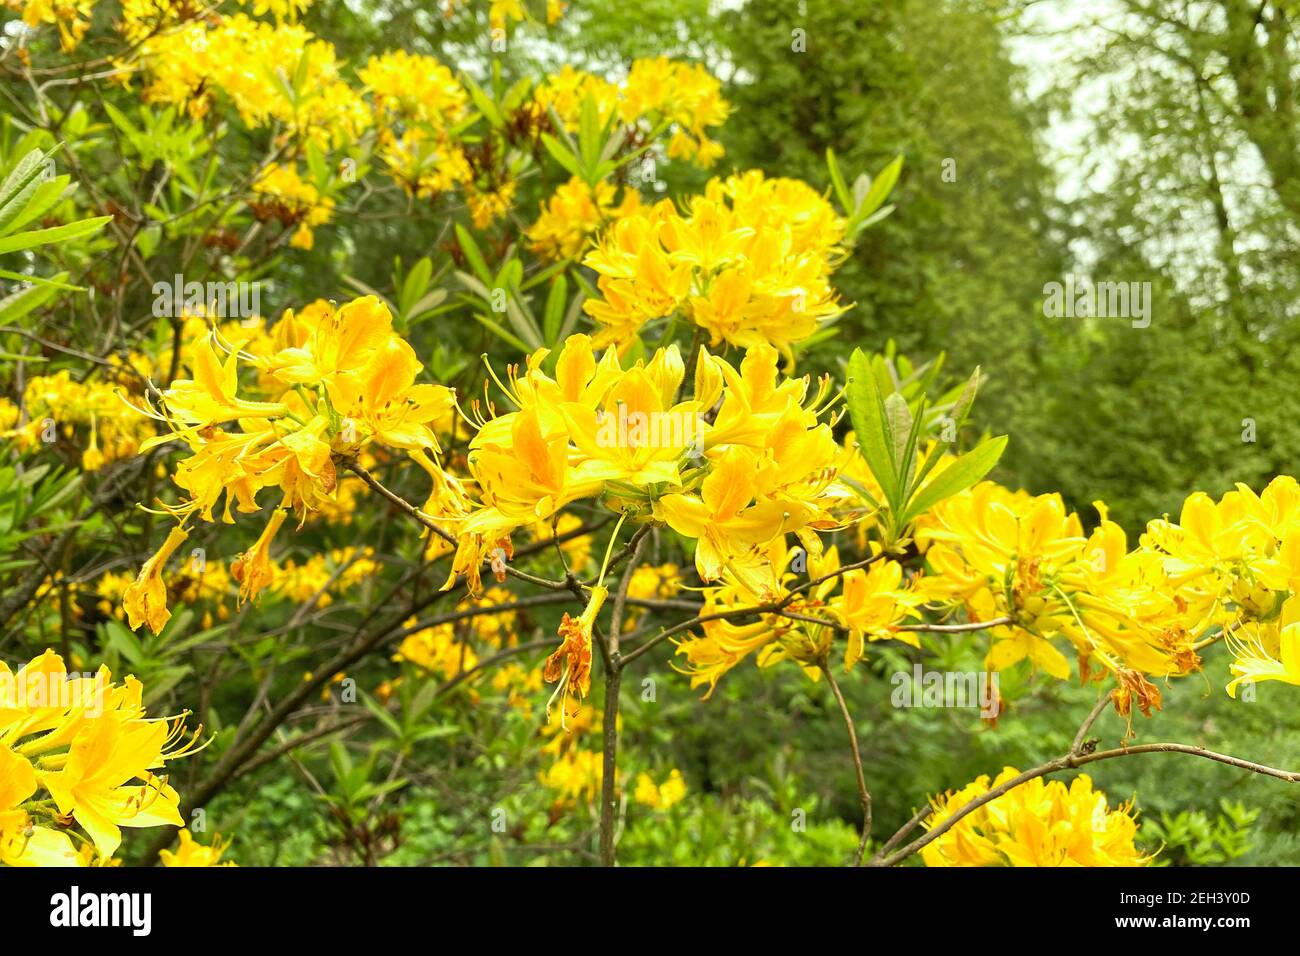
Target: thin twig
x: 609, y: 728
x: 863, y: 793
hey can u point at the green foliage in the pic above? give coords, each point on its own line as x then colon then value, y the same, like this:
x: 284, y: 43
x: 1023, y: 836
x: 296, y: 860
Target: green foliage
x: 33, y: 501
x: 890, y: 437
x: 1193, y: 838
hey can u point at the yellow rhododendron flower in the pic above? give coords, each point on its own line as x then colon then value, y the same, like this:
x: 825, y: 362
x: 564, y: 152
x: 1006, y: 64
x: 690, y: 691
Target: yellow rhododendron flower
x: 190, y: 852
x: 660, y: 796
x: 145, y: 601
x: 78, y: 751
x: 1034, y: 824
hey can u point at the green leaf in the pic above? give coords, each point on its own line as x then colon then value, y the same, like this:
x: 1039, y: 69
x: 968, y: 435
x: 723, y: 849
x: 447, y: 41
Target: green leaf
x: 837, y: 182
x: 415, y: 284
x: 472, y: 255
x: 881, y: 187
x: 40, y: 280
x: 899, y: 419
x: 521, y: 319
x: 565, y: 157
x: 40, y: 237
x: 957, y: 477
x: 121, y: 639
x: 483, y: 103
x: 381, y: 714
x: 20, y: 183
x: 589, y: 138
x: 501, y: 332
x: 867, y: 412
x: 17, y: 304
x: 553, y: 314
x: 962, y: 406
x: 32, y: 202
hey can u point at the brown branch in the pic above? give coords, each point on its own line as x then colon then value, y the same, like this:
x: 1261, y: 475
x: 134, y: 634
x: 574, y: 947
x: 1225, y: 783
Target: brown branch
x: 609, y: 726
x: 864, y: 794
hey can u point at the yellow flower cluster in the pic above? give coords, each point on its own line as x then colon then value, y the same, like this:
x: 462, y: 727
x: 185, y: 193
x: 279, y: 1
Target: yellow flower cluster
x: 1034, y: 824
x: 79, y: 761
x: 208, y: 585
x: 271, y: 73
x: 279, y: 74
x: 574, y: 214
x: 59, y: 405
x: 417, y: 103
x: 649, y: 583
x: 488, y: 205
x: 281, y: 193
x: 1221, y: 571
x: 413, y: 88
x: 329, y: 572
x: 749, y: 261
x: 1234, y: 565
x: 72, y: 17
x: 575, y: 777
x: 190, y: 852
x: 763, y: 467
x: 657, y: 93
x: 872, y: 604
x: 437, y: 650
x: 340, y: 379
x: 142, y: 19
x: 660, y: 796
x: 445, y: 649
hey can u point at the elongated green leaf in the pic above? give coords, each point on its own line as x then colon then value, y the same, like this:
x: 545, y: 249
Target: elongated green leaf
x: 17, y: 304
x: 521, y: 319
x: 957, y: 477
x: 589, y: 138
x: 881, y: 187
x: 42, y: 198
x: 40, y: 237
x: 544, y: 275
x: 472, y: 255
x: 962, y: 407
x: 502, y: 333
x: 40, y: 280
x: 554, y: 312
x: 837, y: 182
x: 867, y: 412
x: 898, y: 417
x: 912, y: 450
x: 18, y: 209
x: 483, y: 103
x: 565, y: 157
x: 29, y: 169
x: 571, y: 317
x: 123, y: 641
x: 365, y: 289
x: 415, y: 284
